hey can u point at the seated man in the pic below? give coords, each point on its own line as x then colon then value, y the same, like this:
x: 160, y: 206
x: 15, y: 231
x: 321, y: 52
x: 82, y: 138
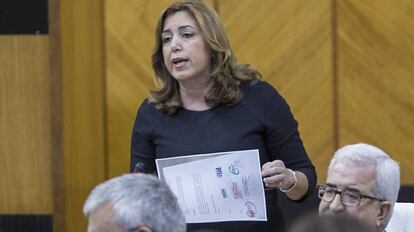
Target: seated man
x: 133, y: 203
x: 362, y: 181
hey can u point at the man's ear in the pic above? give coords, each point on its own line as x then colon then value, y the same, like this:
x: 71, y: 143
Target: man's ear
x: 384, y: 213
x: 143, y: 229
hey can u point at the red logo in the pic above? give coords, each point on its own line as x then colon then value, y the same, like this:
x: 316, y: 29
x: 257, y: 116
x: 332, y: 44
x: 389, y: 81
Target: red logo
x: 251, y: 209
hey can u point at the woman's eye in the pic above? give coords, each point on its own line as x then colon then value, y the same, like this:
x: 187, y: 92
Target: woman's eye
x: 166, y: 39
x: 188, y: 35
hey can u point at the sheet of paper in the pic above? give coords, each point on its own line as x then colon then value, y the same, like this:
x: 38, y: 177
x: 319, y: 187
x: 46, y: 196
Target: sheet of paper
x: 217, y: 187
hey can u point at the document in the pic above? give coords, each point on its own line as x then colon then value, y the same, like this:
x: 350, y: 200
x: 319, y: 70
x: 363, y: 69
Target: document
x: 217, y: 187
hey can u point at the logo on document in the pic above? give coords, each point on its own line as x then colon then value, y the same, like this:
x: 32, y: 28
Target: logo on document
x: 251, y: 209
x: 234, y: 170
x: 219, y: 172
x: 224, y: 193
x: 237, y: 194
x: 245, y: 181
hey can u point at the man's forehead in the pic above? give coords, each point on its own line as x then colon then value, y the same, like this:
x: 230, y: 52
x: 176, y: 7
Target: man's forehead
x: 101, y: 219
x: 350, y: 175
x: 104, y: 209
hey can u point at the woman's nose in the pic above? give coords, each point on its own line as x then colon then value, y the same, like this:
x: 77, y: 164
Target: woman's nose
x: 176, y: 45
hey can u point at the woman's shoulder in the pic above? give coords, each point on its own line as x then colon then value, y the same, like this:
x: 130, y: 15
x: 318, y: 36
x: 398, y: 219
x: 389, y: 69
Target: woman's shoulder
x: 148, y: 114
x: 267, y: 105
x: 147, y: 106
x: 261, y: 93
x: 251, y: 84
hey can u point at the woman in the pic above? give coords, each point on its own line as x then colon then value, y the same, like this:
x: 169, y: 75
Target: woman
x: 207, y: 103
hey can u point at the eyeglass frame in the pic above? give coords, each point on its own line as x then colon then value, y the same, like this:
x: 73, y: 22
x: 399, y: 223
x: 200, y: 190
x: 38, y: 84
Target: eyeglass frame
x: 341, y: 192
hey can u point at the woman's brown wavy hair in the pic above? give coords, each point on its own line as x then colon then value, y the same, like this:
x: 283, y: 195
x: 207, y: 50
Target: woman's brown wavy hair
x: 225, y: 72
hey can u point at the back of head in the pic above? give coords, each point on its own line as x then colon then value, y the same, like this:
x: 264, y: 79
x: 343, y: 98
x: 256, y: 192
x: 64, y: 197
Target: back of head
x: 330, y: 223
x: 138, y: 200
x: 387, y: 183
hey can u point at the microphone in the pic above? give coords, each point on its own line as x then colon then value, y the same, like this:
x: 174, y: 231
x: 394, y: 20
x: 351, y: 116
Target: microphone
x: 140, y: 167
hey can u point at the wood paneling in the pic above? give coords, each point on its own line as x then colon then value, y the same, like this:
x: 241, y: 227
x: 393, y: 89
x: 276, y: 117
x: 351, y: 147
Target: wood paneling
x: 25, y: 129
x: 55, y: 67
x: 290, y: 43
x: 129, y: 74
x: 83, y: 105
x: 376, y: 77
x: 130, y: 36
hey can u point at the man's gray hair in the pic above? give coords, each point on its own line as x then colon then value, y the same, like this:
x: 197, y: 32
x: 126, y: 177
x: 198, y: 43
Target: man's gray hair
x: 387, y: 181
x: 138, y: 200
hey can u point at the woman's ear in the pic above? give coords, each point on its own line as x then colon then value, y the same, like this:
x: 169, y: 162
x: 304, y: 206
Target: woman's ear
x: 384, y: 213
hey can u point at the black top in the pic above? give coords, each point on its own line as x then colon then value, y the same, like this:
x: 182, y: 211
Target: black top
x: 261, y: 120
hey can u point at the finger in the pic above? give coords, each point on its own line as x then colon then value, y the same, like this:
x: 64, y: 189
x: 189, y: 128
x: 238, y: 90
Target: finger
x: 265, y: 168
x: 273, y: 181
x: 269, y: 171
x: 279, y: 163
x: 275, y: 163
x: 272, y: 171
x: 277, y: 180
x: 266, y: 165
x: 273, y: 168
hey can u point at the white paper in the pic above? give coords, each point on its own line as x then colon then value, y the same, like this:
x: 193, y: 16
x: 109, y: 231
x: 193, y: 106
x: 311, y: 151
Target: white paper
x: 217, y: 187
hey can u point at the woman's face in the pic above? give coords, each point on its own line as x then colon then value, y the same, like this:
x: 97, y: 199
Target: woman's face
x: 185, y: 52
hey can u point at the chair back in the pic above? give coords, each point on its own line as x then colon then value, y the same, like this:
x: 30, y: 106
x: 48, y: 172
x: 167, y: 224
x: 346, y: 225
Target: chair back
x: 402, y: 219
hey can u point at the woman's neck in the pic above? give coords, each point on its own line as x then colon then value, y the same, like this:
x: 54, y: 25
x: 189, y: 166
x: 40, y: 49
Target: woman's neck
x: 193, y: 96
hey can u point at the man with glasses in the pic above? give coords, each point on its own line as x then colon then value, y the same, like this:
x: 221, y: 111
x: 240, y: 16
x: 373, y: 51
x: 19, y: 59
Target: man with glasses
x: 362, y: 181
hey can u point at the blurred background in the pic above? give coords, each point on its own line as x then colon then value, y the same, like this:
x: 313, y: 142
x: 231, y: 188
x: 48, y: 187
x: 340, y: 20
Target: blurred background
x: 69, y: 91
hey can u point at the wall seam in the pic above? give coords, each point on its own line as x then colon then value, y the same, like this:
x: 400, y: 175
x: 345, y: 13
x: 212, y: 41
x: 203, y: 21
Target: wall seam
x: 335, y: 75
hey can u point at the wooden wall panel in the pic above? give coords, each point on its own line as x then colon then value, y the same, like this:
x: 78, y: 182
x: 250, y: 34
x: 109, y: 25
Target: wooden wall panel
x: 376, y: 77
x: 130, y: 35
x: 25, y: 129
x: 290, y: 43
x: 129, y: 32
x: 55, y: 67
x: 83, y: 105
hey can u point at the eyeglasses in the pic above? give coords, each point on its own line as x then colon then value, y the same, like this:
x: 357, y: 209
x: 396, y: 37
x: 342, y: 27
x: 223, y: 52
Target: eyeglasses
x: 348, y: 197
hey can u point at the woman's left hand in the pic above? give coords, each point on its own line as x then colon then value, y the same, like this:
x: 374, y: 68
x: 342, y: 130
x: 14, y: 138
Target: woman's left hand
x: 276, y: 175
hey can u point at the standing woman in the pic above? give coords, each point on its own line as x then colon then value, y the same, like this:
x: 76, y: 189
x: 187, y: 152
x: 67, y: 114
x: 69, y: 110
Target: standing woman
x: 208, y: 103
